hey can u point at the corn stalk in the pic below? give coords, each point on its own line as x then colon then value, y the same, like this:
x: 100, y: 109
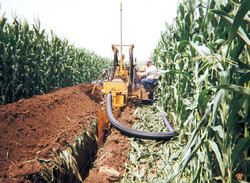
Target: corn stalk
x: 205, y: 92
x: 33, y: 62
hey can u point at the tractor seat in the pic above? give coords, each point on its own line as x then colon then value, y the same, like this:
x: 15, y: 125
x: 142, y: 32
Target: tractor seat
x: 151, y: 93
x: 156, y: 81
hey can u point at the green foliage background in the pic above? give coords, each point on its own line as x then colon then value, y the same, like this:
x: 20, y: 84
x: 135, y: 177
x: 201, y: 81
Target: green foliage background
x: 205, y: 90
x: 33, y: 62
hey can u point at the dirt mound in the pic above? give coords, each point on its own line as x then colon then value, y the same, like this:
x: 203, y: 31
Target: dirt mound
x: 31, y: 128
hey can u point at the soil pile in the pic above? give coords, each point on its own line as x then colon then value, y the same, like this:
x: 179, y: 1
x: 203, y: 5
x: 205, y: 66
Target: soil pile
x: 31, y: 128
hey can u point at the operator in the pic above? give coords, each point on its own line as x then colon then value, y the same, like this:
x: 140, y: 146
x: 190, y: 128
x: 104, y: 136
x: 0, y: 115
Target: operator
x: 151, y: 75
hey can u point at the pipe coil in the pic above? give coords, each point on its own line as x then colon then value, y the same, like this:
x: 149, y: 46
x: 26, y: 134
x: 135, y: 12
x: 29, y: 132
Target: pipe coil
x: 136, y: 133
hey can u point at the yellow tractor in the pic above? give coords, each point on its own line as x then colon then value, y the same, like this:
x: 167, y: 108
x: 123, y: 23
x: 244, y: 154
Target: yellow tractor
x: 122, y: 84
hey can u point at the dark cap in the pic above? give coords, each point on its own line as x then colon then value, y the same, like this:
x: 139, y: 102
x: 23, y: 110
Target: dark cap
x: 149, y: 61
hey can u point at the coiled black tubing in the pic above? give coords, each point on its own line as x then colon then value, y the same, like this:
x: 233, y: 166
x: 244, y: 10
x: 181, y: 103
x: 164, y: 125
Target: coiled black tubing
x: 136, y: 133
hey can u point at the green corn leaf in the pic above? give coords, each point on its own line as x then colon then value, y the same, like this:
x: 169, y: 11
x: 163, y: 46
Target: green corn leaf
x: 187, y: 158
x: 240, y: 31
x: 181, y: 10
x: 203, y: 50
x: 235, y: 105
x: 197, y: 175
x: 219, y: 41
x: 183, y: 45
x: 203, y: 99
x: 218, y: 129
x: 189, y: 119
x: 235, y: 88
x: 241, y: 146
x: 244, y: 78
x: 244, y: 8
x: 196, y: 131
x: 217, y: 101
x: 218, y: 155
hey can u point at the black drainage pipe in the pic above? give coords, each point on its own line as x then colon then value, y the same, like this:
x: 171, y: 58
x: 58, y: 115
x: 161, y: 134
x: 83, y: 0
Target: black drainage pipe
x: 135, y: 133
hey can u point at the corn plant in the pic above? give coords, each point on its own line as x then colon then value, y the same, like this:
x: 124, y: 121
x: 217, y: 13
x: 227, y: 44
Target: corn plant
x: 33, y: 62
x: 204, y: 61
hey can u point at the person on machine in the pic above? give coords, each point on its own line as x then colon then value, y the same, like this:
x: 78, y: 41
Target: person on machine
x: 151, y: 76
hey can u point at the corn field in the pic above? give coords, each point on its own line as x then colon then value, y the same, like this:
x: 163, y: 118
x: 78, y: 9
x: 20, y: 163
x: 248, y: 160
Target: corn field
x: 205, y: 90
x: 33, y: 62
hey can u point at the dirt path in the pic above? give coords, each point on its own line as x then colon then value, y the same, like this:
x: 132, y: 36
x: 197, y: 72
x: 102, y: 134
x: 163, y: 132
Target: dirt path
x: 31, y: 128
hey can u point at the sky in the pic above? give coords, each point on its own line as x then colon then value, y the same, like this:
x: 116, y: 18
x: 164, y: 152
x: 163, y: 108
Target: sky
x: 95, y: 24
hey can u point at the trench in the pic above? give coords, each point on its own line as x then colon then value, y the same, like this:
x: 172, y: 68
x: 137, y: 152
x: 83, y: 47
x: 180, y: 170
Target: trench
x: 73, y: 163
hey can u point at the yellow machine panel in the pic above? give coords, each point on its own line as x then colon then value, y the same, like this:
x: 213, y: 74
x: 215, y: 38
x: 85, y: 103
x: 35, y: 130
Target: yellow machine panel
x: 119, y: 92
x: 115, y: 87
x: 119, y: 100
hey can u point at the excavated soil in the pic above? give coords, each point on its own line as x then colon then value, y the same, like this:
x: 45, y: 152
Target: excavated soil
x: 110, y: 164
x: 31, y: 128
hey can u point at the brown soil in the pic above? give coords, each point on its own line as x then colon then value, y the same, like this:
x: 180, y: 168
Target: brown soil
x: 110, y: 164
x: 31, y: 128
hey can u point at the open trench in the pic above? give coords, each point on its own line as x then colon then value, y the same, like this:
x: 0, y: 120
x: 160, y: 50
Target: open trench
x: 73, y: 163
x: 82, y: 161
x: 50, y: 137
x: 54, y: 139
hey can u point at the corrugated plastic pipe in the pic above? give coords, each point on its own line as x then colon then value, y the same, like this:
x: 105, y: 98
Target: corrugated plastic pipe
x: 136, y: 133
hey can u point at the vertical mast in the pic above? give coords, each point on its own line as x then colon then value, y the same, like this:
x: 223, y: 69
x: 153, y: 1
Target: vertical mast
x: 121, y: 56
